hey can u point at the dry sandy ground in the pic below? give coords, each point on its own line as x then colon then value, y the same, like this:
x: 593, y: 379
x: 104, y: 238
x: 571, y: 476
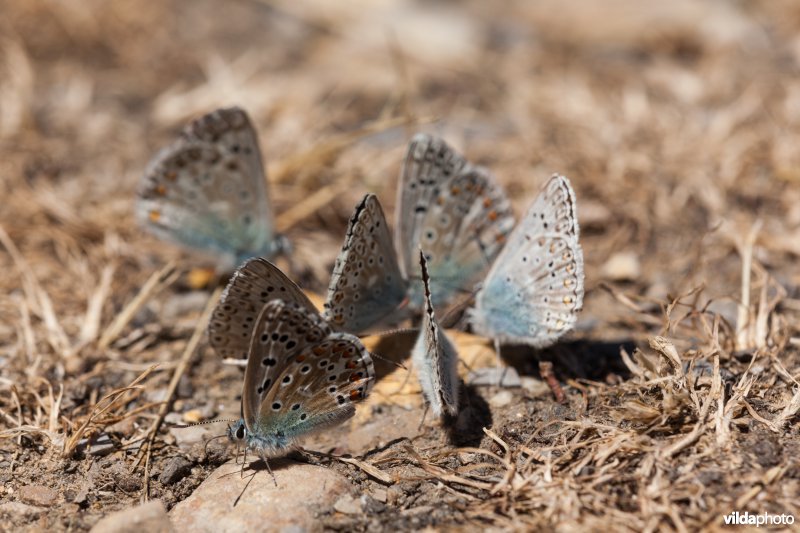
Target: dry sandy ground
x: 677, y: 123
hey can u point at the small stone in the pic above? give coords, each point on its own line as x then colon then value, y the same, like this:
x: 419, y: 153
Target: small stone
x: 185, y: 438
x: 38, y: 495
x: 124, y: 427
x: 501, y: 399
x: 347, y: 505
x: 192, y: 416
x: 393, y: 495
x: 150, y: 517
x: 380, y: 495
x: 622, y: 266
x: 19, y: 509
x: 535, y: 387
x: 493, y: 376
x: 175, y: 470
x: 102, y: 445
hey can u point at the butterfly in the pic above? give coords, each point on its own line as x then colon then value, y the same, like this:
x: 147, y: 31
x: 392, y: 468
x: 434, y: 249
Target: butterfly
x: 301, y: 377
x: 208, y: 191
x: 452, y: 209
x: 435, y: 357
x: 534, y: 290
x: 254, y: 284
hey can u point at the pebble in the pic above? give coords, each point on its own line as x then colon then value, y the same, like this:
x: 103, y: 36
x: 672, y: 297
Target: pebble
x: 150, y: 517
x: 488, y: 377
x: 303, y: 492
x: 347, y: 505
x: 19, y: 509
x: 380, y: 495
x: 501, y: 399
x: 535, y: 387
x: 175, y: 470
x: 38, y: 495
x: 102, y: 445
x: 622, y: 266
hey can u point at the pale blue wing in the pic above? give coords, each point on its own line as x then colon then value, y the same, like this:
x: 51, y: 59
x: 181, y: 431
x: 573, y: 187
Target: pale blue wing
x: 208, y: 191
x: 534, y: 291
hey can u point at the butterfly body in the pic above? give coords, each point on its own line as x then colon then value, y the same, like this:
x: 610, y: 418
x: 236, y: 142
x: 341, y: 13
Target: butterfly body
x: 534, y: 290
x: 301, y: 377
x: 207, y: 191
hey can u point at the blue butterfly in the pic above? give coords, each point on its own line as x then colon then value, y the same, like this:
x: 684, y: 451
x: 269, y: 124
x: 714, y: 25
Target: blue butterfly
x: 208, y: 191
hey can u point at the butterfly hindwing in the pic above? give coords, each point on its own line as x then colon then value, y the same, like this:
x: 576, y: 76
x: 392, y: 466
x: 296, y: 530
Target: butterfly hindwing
x: 534, y: 291
x: 208, y: 191
x: 455, y: 211
x: 366, y: 285
x: 435, y: 358
x: 254, y: 284
x: 301, y: 376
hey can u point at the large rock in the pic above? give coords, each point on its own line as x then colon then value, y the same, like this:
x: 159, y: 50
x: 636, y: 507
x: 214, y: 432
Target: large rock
x: 303, y: 492
x: 150, y: 517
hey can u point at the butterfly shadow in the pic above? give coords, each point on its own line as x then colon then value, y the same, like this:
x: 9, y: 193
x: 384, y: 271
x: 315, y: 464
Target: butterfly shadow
x: 392, y: 348
x: 579, y: 359
x: 466, y: 428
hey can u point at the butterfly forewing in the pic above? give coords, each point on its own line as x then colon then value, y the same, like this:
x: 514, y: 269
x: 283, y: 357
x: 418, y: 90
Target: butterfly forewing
x: 366, y: 285
x: 455, y: 211
x: 535, y: 289
x: 301, y: 376
x: 435, y: 357
x: 254, y: 284
x: 208, y: 190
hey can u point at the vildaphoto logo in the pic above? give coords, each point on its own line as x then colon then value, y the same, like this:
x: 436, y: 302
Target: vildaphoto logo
x: 761, y: 519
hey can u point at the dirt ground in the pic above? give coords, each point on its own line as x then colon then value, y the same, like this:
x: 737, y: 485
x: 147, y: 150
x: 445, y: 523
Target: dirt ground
x: 677, y: 123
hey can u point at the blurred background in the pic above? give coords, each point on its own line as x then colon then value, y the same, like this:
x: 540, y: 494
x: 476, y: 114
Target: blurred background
x: 674, y: 121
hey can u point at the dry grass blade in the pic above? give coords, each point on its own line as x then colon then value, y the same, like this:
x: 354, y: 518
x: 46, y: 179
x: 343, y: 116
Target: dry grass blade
x: 443, y: 475
x: 107, y: 402
x: 371, y: 470
x: 157, y: 282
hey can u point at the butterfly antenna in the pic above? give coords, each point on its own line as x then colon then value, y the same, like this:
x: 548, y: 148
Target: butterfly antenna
x: 387, y: 360
x: 203, y: 423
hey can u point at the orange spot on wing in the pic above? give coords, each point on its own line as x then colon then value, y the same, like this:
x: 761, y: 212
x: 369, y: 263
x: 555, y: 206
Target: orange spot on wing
x: 492, y: 215
x: 487, y: 202
x: 500, y: 238
x: 160, y: 190
x: 300, y: 358
x: 154, y: 215
x: 355, y: 395
x: 455, y: 191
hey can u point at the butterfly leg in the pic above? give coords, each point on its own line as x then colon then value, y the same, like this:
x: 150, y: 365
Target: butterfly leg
x: 424, y: 414
x: 501, y: 369
x: 269, y: 469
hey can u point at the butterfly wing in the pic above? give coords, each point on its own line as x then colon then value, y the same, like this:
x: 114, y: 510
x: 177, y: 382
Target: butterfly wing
x: 208, y: 190
x: 366, y: 285
x: 534, y: 291
x: 253, y: 285
x: 455, y: 211
x: 301, y: 376
x: 435, y: 358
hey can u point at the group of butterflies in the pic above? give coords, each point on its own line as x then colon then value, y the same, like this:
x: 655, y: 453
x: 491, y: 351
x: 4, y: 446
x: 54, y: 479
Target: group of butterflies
x: 454, y: 241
